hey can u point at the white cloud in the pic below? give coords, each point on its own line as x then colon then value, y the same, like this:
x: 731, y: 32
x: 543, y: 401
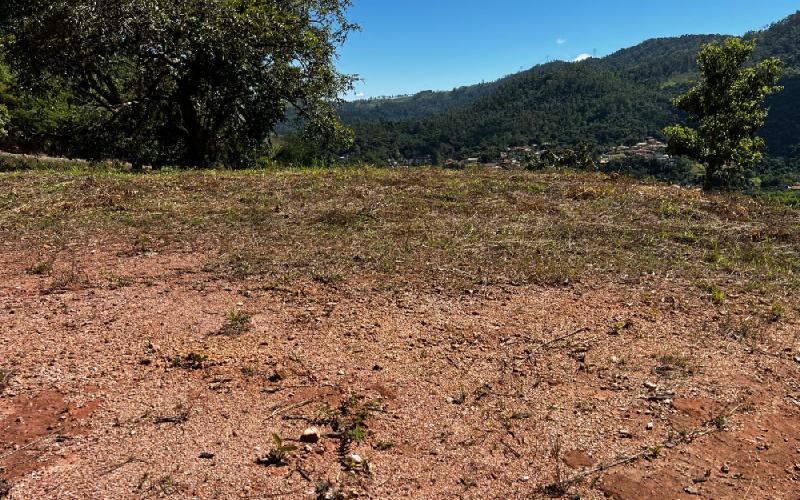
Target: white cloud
x: 582, y: 57
x: 360, y: 94
x: 561, y: 41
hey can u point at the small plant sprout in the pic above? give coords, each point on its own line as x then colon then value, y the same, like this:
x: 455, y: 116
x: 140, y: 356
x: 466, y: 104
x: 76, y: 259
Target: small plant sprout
x: 236, y: 323
x: 279, y: 453
x: 777, y: 312
x: 717, y: 294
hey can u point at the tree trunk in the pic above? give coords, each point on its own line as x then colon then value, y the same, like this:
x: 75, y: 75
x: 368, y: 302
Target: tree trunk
x: 192, y: 127
x: 708, y: 178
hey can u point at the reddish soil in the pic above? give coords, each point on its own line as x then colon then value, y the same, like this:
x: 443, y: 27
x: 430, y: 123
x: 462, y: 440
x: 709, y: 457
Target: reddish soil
x: 460, y: 394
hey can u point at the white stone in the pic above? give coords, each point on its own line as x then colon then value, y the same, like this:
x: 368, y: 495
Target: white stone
x: 311, y: 435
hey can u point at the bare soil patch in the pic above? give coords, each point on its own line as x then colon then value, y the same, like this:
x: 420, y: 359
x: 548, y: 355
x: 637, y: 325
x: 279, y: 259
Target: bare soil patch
x: 428, y: 374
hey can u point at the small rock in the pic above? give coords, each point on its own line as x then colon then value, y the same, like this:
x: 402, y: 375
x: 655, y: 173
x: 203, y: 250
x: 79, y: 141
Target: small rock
x: 725, y: 468
x: 355, y: 459
x: 615, y: 360
x: 206, y: 455
x: 340, y: 372
x: 797, y: 467
x: 311, y: 435
x: 625, y: 433
x: 691, y: 490
x: 651, y: 385
x: 525, y: 479
x: 650, y: 426
x: 797, y: 359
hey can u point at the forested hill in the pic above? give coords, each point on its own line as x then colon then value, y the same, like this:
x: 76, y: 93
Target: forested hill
x: 420, y: 105
x: 621, y: 98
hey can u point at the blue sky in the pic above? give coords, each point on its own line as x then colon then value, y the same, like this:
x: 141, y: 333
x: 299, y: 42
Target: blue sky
x: 411, y: 45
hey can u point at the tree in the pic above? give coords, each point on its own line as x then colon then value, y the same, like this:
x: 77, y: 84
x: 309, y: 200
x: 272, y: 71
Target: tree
x: 726, y: 111
x: 192, y: 82
x: 5, y: 81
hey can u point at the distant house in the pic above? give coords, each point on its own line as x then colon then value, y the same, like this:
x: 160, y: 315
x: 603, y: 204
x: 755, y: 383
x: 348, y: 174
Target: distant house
x: 471, y: 161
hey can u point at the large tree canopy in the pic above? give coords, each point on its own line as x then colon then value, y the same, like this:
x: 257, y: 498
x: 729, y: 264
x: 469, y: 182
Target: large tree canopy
x: 726, y: 111
x: 193, y: 82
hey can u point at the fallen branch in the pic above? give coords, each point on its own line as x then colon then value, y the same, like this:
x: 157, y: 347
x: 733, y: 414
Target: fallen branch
x: 295, y: 406
x: 708, y: 427
x: 130, y: 460
x: 559, y: 339
x: 23, y: 448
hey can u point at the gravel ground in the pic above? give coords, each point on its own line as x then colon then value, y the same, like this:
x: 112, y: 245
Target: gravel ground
x: 170, y: 381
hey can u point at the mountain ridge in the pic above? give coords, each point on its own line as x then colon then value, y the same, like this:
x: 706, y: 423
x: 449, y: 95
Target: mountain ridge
x: 620, y: 98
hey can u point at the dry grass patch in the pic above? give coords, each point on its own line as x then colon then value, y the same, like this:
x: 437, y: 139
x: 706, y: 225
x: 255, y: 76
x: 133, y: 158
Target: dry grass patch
x: 459, y: 229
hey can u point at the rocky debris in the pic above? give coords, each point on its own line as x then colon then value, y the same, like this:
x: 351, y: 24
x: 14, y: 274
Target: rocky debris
x: 5, y: 488
x: 651, y: 385
x: 691, y: 490
x: 625, y: 434
x: 649, y: 426
x: 354, y: 461
x: 311, y: 435
x: 206, y: 455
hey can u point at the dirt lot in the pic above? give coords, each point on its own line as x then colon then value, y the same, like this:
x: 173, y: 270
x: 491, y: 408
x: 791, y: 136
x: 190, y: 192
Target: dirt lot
x: 476, y: 335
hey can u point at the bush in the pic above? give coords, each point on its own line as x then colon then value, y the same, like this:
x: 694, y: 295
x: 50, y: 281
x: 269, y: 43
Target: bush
x: 4, y: 118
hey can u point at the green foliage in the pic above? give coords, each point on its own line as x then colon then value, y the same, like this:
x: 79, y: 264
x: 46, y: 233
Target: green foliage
x: 236, y: 323
x: 558, y: 104
x: 717, y: 294
x: 619, y: 99
x: 172, y: 82
x: 279, y: 453
x: 4, y: 119
x: 5, y: 96
x: 727, y: 108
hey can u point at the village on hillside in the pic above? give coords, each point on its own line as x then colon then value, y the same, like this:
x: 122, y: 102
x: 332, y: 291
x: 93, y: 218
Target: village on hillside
x: 545, y: 154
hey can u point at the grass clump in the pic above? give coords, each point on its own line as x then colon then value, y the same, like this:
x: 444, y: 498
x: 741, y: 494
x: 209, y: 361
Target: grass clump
x: 670, y: 364
x: 777, y: 312
x: 716, y: 294
x: 191, y: 361
x: 236, y: 323
x: 40, y: 268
